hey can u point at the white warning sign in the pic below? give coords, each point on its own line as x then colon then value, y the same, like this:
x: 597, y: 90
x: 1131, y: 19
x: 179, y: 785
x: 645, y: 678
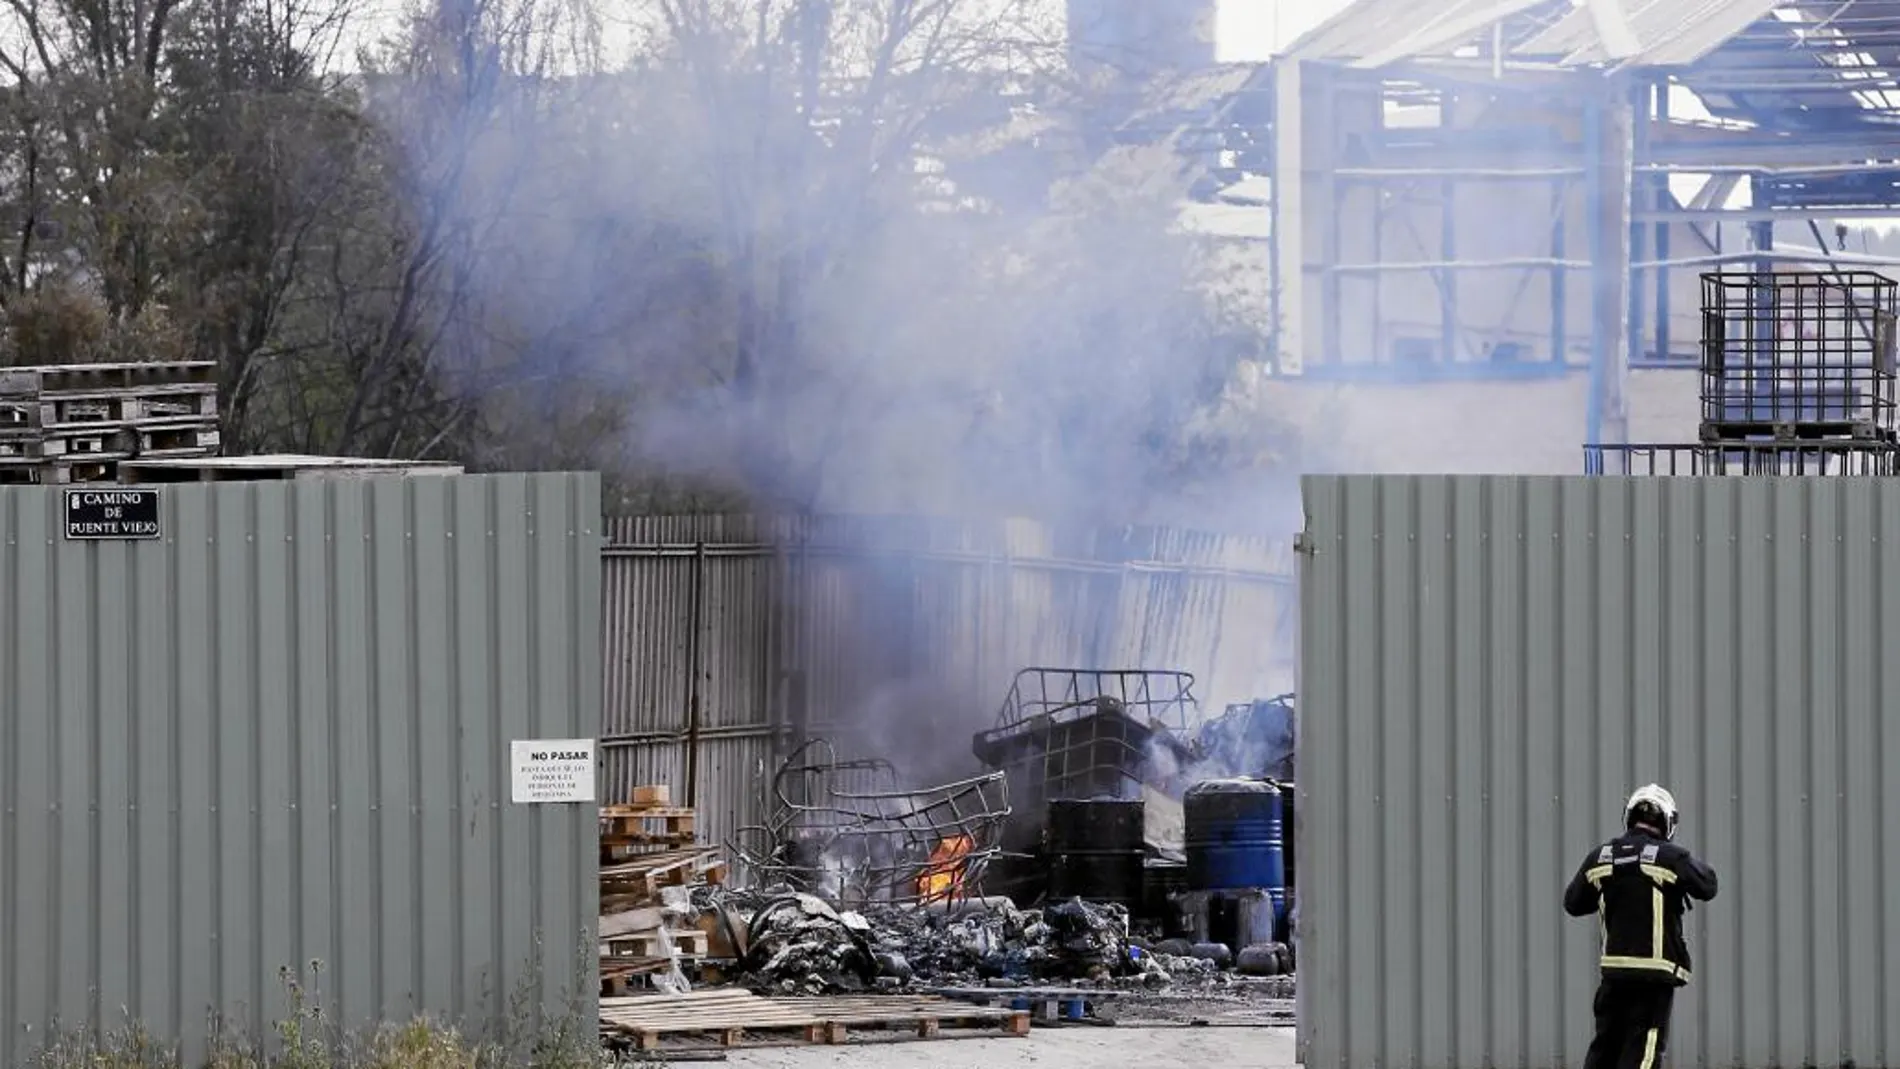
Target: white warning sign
x: 553, y: 770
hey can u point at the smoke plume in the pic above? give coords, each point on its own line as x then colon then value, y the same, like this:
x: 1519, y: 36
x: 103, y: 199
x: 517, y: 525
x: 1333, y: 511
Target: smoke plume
x: 866, y: 256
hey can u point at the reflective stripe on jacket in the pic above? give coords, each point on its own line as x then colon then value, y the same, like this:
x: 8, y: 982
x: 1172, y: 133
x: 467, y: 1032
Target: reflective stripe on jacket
x: 1639, y: 886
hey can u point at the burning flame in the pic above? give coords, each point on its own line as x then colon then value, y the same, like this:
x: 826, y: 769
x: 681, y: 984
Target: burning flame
x: 943, y: 873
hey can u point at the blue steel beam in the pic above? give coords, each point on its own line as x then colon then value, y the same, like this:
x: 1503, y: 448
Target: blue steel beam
x: 1560, y: 224
x: 1448, y: 329
x: 1663, y: 197
x: 1639, y: 97
x: 1593, y: 200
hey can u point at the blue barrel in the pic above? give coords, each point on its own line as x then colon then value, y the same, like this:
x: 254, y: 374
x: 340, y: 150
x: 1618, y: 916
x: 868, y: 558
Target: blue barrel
x: 1233, y: 838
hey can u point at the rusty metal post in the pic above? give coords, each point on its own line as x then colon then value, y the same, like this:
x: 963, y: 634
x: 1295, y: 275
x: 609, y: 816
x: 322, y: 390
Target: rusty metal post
x: 696, y: 645
x: 798, y: 707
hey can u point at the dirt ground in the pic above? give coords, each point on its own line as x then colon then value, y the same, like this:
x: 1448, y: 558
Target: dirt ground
x: 1050, y: 1048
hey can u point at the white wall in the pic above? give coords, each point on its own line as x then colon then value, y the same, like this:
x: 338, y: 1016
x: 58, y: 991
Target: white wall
x: 1499, y: 427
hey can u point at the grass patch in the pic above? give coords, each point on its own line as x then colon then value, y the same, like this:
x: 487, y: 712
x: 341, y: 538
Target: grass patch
x: 309, y: 1038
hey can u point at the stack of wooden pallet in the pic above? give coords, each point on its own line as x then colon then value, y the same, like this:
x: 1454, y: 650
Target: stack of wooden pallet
x: 647, y: 846
x: 76, y: 422
x: 663, y: 1026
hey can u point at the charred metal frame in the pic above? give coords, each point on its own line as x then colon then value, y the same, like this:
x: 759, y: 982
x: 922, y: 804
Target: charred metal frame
x: 1071, y: 733
x: 855, y: 846
x: 1162, y: 697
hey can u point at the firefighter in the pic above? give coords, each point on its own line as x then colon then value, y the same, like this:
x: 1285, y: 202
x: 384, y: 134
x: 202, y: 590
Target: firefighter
x: 1639, y: 884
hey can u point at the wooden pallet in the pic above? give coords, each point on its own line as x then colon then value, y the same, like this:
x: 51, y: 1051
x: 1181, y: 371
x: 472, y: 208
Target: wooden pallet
x: 633, y: 977
x: 686, y: 944
x: 669, y: 867
x: 199, y: 466
x: 112, y: 443
x: 188, y: 403
x: 39, y: 380
x: 1716, y: 432
x: 727, y: 1017
x: 34, y: 472
x: 621, y: 850
x: 623, y: 977
x: 636, y: 825
x: 722, y: 1016
x: 637, y: 882
x: 925, y: 1014
x: 271, y: 467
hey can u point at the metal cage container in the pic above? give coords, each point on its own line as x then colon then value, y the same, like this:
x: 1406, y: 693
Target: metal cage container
x: 1812, y: 458
x: 1797, y: 356
x: 1080, y: 734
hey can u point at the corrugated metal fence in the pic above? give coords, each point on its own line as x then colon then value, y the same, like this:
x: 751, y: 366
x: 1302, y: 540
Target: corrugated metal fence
x: 1491, y: 664
x: 279, y: 734
x: 712, y: 621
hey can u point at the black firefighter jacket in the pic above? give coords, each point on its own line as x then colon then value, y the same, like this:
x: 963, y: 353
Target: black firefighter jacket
x: 1639, y: 886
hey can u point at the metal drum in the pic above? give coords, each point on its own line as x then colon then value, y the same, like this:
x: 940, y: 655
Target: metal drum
x: 1095, y: 851
x: 1234, y: 838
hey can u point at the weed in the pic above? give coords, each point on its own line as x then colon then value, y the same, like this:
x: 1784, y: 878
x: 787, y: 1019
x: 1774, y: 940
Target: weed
x: 309, y: 1038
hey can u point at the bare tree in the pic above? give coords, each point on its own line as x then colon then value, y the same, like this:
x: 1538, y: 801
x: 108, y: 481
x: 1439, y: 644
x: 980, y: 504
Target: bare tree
x: 849, y: 253
x: 452, y: 104
x: 86, y: 74
x: 811, y: 120
x: 277, y: 158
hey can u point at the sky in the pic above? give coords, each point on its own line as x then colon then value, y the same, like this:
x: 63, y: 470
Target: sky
x: 1253, y: 30
x: 1247, y: 30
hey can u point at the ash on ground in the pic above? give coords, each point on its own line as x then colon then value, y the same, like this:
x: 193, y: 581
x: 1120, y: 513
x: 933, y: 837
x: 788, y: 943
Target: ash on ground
x: 794, y: 943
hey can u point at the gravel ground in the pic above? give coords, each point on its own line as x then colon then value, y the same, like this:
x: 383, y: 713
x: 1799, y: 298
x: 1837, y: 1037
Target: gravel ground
x: 1234, y: 1005
x: 1049, y: 1048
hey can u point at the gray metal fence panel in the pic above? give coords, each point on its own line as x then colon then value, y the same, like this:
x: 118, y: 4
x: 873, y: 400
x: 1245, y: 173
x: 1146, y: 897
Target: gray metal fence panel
x: 280, y: 734
x: 1489, y: 665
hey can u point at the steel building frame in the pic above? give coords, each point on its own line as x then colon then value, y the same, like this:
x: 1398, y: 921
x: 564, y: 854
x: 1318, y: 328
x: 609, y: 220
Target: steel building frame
x: 1802, y: 99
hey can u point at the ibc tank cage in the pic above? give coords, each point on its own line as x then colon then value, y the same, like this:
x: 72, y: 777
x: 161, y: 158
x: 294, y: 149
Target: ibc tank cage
x: 1797, y: 355
x: 1797, y: 377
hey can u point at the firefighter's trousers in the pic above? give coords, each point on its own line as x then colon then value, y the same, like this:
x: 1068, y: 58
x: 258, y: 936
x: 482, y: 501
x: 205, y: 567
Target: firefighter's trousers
x: 1632, y: 1023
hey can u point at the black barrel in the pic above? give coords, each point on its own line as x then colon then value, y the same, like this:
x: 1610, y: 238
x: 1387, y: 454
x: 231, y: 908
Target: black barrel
x: 1095, y: 851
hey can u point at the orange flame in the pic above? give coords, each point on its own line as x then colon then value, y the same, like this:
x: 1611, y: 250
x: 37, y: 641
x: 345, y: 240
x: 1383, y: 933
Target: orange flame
x: 943, y: 873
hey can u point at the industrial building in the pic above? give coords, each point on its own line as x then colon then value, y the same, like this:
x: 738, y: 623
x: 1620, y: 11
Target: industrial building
x: 1670, y: 195
x: 1490, y: 663
x: 1478, y: 225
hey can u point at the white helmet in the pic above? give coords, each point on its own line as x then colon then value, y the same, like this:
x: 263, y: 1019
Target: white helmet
x: 1657, y: 800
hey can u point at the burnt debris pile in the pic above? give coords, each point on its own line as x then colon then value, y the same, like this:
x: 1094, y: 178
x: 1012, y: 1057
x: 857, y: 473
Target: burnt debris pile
x: 794, y: 943
x: 1096, y: 850
x: 800, y: 944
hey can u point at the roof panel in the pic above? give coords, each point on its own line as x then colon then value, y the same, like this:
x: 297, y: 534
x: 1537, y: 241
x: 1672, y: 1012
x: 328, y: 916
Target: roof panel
x: 1668, y: 32
x: 1394, y: 29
